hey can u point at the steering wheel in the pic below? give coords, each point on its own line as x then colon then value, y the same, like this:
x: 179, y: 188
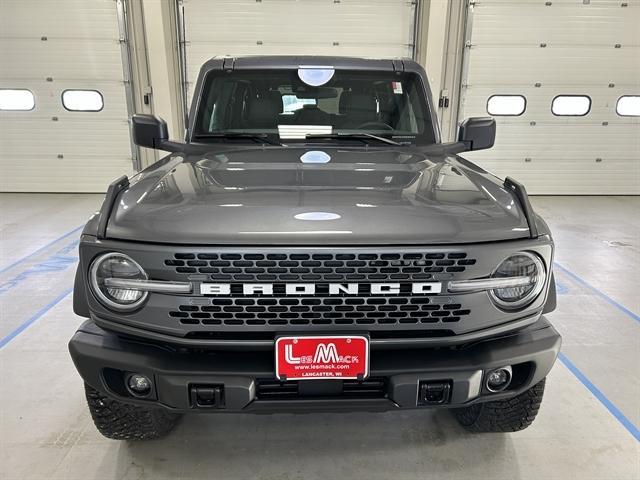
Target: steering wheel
x: 385, y: 126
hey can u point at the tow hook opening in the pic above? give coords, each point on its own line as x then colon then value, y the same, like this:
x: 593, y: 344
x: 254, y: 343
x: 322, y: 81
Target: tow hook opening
x: 206, y: 396
x: 434, y: 392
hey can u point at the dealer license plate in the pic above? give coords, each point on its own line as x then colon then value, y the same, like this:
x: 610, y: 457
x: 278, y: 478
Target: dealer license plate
x: 322, y: 357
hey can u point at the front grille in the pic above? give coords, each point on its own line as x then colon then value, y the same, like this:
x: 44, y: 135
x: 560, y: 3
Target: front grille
x: 251, y: 314
x: 291, y: 267
x: 289, y: 311
x: 269, y: 389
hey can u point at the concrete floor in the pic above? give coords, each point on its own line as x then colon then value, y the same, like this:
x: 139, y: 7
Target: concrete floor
x: 587, y: 427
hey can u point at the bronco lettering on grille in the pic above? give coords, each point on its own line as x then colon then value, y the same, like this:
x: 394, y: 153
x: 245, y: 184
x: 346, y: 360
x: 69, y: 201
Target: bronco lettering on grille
x: 313, y: 288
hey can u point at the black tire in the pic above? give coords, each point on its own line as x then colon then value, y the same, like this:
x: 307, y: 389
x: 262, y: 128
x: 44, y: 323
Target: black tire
x: 510, y: 415
x: 121, y: 421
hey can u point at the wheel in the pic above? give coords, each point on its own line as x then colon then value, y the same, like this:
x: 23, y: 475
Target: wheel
x: 121, y: 421
x: 510, y: 415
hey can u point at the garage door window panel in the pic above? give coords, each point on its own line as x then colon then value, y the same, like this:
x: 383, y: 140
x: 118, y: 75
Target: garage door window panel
x: 628, y: 106
x: 17, y: 99
x: 571, y: 105
x: 82, y: 100
x: 506, y: 105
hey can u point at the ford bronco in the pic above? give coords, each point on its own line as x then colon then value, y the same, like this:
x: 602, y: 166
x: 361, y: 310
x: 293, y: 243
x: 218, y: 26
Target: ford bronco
x: 313, y: 245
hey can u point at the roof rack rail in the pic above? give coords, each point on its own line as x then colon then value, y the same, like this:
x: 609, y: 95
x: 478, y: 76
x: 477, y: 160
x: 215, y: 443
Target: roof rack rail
x: 113, y: 191
x: 521, y: 195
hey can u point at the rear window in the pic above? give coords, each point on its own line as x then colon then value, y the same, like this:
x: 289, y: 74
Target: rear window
x: 285, y: 104
x: 16, y: 99
x: 506, y: 105
x: 291, y: 103
x: 571, y: 105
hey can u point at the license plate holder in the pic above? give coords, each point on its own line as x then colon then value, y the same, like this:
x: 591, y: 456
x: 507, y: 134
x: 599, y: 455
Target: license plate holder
x: 322, y: 357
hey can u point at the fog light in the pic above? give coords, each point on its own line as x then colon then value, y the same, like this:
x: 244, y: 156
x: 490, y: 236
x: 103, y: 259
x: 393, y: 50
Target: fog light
x: 139, y: 385
x: 498, y: 379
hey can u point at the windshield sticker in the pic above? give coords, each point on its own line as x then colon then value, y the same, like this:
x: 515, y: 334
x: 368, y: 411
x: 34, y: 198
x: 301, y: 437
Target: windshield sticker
x: 397, y: 87
x: 315, y: 76
x: 315, y: 156
x: 300, y: 132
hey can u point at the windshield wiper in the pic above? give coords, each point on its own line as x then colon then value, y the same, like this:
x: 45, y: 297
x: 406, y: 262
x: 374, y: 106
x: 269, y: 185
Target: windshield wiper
x: 260, y: 138
x: 353, y: 136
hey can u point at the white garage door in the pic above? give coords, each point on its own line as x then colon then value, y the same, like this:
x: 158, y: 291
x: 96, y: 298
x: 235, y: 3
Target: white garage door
x: 49, y: 48
x: 367, y: 28
x: 586, y: 53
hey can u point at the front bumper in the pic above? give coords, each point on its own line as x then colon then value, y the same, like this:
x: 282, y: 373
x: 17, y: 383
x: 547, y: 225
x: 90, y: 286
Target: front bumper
x: 104, y: 359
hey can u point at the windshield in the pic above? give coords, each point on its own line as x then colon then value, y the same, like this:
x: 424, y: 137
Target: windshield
x: 279, y: 105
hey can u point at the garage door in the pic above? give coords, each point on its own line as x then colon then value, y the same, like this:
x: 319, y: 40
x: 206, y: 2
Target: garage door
x: 369, y: 28
x: 565, y: 75
x: 63, y: 111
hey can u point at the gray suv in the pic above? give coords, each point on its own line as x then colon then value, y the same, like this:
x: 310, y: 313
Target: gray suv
x: 313, y: 245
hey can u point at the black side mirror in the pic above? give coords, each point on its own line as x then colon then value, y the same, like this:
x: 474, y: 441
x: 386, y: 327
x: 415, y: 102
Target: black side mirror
x: 478, y: 133
x: 149, y: 131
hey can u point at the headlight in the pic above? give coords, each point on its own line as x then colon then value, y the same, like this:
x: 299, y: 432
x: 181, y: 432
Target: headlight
x: 117, y: 266
x: 527, y: 266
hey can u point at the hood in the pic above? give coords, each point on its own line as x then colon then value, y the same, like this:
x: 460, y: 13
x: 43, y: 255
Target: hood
x: 322, y: 196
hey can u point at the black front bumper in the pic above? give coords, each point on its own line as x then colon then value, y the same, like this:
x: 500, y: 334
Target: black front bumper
x: 104, y: 359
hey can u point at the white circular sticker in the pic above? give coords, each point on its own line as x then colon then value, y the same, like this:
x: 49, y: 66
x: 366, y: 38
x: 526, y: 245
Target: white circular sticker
x: 317, y: 216
x: 315, y: 76
x: 315, y: 156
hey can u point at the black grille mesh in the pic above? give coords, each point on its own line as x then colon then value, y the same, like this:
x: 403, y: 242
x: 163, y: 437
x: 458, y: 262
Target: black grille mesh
x: 291, y: 267
x: 289, y: 311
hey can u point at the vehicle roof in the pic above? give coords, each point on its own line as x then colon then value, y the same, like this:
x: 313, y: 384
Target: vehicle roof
x: 296, y: 61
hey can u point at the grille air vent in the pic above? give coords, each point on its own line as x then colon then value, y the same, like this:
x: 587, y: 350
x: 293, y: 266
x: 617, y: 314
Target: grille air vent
x: 292, y: 311
x: 282, y: 267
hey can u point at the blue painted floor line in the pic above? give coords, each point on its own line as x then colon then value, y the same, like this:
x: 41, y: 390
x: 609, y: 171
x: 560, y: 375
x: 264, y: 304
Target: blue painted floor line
x: 36, y: 316
x: 601, y: 294
x: 615, y: 411
x: 52, y: 242
x: 56, y: 262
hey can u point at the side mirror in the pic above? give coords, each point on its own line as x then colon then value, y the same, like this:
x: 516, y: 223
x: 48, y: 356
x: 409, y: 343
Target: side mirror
x: 149, y: 131
x: 478, y: 133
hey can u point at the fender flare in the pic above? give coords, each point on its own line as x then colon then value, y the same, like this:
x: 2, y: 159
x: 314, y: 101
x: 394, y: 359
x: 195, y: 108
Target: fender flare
x: 80, y: 303
x: 551, y: 303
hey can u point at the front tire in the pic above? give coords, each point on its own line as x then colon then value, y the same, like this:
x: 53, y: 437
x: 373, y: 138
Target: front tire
x: 510, y: 415
x: 122, y: 421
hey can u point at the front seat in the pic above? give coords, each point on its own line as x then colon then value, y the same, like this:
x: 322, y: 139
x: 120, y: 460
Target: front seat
x: 262, y: 113
x: 312, y: 115
x: 358, y: 108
